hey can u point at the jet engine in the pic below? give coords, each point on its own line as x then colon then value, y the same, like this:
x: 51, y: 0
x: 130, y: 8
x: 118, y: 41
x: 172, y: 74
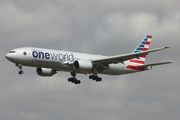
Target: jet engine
x: 45, y: 72
x: 82, y: 65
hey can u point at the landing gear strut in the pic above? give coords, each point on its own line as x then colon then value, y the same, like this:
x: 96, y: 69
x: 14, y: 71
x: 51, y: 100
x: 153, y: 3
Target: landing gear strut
x: 74, y: 79
x: 20, y: 67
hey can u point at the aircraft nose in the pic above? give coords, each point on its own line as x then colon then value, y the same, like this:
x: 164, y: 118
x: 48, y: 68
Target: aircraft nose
x: 7, y: 56
x: 11, y: 57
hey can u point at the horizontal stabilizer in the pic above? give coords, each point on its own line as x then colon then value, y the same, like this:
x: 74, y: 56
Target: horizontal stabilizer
x: 155, y: 64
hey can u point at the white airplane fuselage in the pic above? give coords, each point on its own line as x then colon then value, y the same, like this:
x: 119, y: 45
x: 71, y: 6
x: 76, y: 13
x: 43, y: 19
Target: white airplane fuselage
x: 61, y: 60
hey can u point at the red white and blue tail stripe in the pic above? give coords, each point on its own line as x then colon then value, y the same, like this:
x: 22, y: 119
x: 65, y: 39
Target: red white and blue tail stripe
x: 143, y: 46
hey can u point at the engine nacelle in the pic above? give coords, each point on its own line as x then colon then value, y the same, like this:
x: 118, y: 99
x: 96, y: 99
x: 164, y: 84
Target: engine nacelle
x: 83, y: 66
x: 45, y: 72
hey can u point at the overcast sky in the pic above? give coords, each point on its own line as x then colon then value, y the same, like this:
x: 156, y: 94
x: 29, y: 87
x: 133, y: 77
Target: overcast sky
x: 107, y: 27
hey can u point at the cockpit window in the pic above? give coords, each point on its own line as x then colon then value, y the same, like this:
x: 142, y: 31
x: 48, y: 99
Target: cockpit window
x: 12, y: 51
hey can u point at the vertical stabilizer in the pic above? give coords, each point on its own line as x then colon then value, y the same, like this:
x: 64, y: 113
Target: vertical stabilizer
x: 143, y: 46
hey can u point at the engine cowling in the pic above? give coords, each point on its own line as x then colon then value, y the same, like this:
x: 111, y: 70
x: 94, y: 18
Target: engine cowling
x: 45, y: 72
x: 83, y: 66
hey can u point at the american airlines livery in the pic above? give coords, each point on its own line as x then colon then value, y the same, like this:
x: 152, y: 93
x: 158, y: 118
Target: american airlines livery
x: 48, y: 62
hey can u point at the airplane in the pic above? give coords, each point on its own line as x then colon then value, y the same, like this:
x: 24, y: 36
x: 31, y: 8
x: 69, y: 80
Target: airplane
x: 48, y: 62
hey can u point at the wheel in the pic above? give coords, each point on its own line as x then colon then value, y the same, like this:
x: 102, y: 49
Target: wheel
x: 73, y: 80
x: 69, y: 79
x: 21, y: 72
x: 99, y: 79
x: 94, y: 77
x: 78, y: 82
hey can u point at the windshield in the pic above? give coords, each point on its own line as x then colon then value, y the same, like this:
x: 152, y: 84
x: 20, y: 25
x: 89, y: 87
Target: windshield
x: 12, y: 51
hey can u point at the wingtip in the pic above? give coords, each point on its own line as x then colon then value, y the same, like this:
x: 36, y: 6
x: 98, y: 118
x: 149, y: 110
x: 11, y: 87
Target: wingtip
x: 169, y: 62
x: 167, y: 47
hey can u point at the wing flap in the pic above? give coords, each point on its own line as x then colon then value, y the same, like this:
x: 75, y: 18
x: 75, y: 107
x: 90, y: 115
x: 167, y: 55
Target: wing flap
x: 124, y: 57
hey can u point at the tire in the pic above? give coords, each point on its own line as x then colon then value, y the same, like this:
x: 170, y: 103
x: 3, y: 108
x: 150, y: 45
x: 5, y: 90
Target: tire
x: 21, y: 72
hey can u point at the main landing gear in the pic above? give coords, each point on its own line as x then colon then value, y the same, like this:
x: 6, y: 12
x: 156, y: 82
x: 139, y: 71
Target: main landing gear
x: 20, y: 67
x: 74, y: 79
x: 95, y: 77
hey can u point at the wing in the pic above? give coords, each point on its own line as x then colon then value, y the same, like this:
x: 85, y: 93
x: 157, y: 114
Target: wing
x: 124, y: 57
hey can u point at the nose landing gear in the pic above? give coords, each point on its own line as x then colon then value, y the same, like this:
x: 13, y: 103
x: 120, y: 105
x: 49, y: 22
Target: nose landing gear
x: 20, y: 67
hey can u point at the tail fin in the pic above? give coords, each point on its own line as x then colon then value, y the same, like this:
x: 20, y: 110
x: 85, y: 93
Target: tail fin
x: 143, y: 46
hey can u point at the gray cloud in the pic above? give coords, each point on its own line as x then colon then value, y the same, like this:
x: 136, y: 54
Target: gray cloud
x: 99, y: 27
